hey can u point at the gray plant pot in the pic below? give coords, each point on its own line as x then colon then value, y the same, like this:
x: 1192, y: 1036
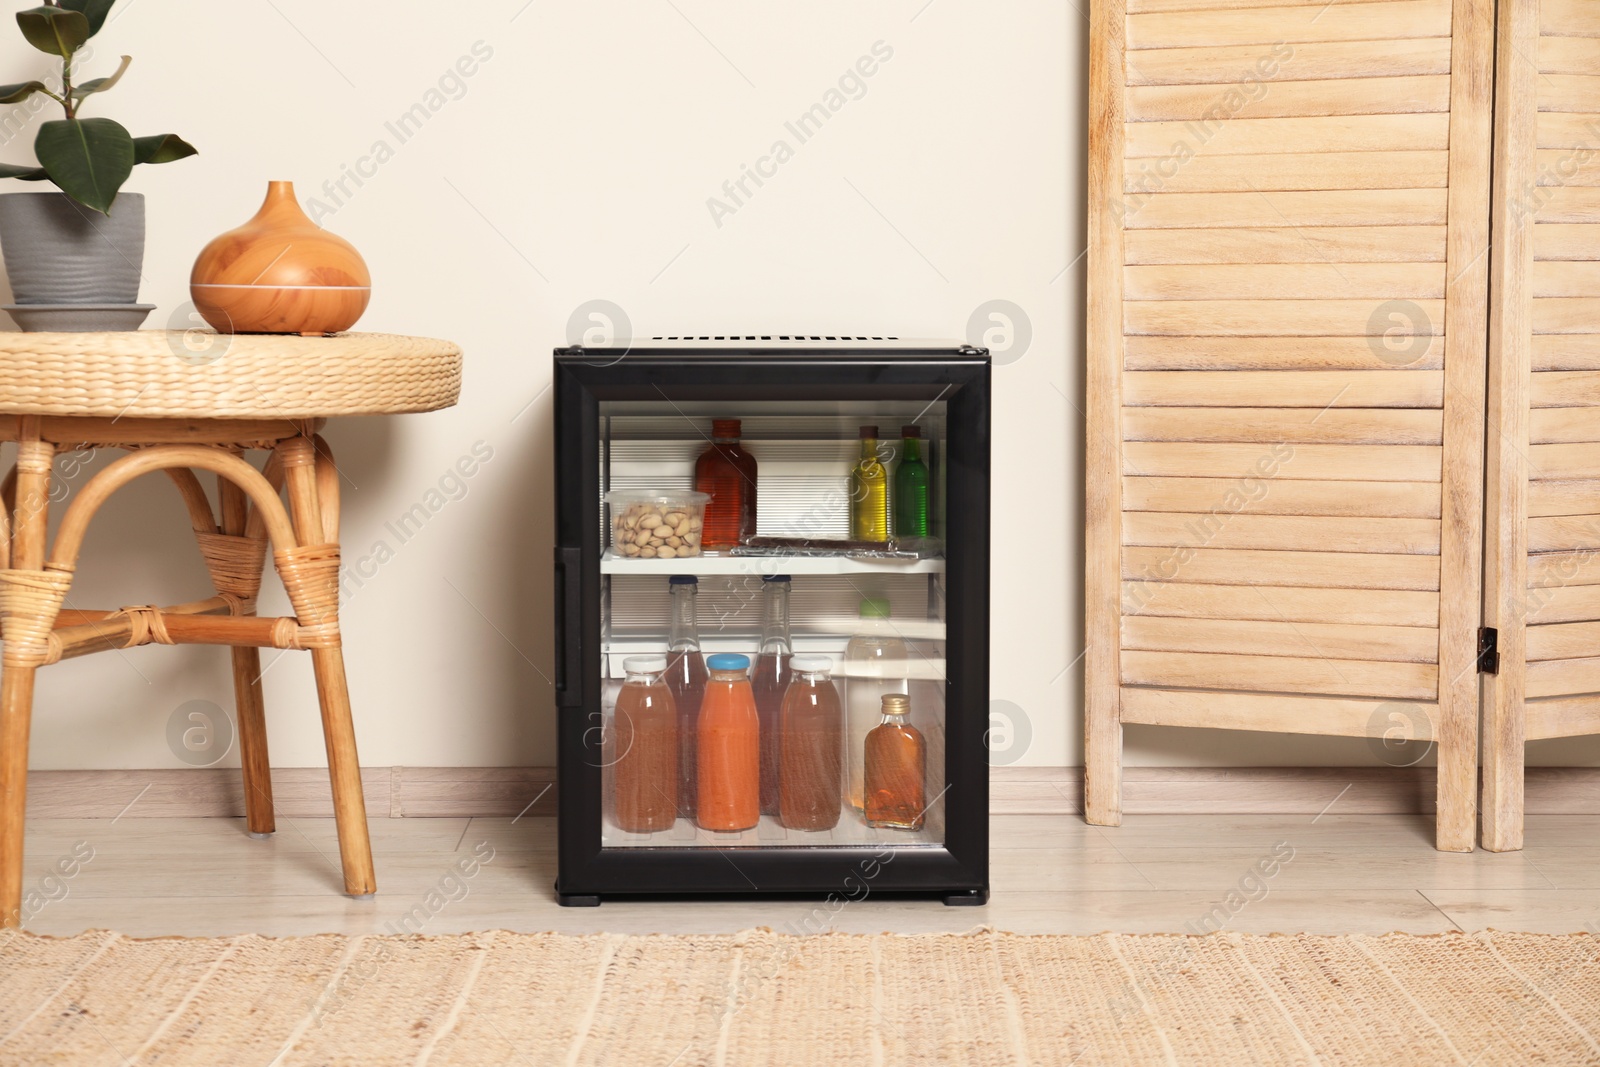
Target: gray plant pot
x: 59, y: 252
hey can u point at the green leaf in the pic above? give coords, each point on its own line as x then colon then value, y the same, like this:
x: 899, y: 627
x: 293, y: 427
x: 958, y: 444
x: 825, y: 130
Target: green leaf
x: 54, y: 30
x: 99, y: 85
x: 27, y: 174
x: 16, y: 94
x: 161, y: 148
x: 88, y: 158
x: 93, y: 10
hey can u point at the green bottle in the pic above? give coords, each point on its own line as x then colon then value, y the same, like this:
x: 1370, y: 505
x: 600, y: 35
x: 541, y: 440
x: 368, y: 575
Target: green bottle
x: 911, y: 487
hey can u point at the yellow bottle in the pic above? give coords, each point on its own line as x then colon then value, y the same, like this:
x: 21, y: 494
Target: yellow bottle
x: 869, y: 492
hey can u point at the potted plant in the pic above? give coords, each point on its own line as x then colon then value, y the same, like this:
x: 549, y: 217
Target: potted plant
x: 82, y: 246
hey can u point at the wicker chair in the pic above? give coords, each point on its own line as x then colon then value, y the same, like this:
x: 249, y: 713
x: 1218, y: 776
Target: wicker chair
x: 180, y: 403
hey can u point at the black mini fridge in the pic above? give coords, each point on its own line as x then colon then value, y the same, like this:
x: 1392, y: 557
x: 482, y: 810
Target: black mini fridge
x: 898, y: 616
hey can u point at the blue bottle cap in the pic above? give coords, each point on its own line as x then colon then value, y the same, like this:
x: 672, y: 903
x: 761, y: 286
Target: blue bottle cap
x: 775, y: 578
x: 683, y: 579
x: 728, y: 661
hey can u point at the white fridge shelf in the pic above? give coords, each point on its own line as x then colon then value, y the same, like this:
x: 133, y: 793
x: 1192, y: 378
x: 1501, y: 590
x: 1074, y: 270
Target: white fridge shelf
x: 715, y: 563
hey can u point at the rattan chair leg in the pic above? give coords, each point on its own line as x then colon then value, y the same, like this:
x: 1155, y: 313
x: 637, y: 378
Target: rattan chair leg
x: 344, y: 770
x: 249, y: 702
x: 16, y: 711
x: 327, y: 489
x: 8, y: 502
x: 28, y: 483
x: 316, y: 600
x: 250, y: 708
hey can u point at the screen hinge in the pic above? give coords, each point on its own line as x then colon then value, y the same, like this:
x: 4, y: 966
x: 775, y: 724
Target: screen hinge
x: 1488, y: 650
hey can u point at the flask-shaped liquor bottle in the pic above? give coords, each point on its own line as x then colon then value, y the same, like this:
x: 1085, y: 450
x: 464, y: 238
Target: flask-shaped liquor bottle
x: 869, y: 492
x: 728, y: 473
x: 771, y: 680
x: 875, y: 664
x: 911, y: 486
x: 896, y: 769
x: 686, y: 678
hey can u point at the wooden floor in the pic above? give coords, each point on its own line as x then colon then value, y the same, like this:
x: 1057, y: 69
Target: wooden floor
x: 1051, y: 874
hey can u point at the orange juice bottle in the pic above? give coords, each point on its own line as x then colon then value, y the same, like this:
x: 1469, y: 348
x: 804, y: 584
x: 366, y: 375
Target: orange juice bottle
x: 729, y: 764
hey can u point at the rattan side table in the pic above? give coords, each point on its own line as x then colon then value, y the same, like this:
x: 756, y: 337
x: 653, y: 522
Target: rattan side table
x: 182, y: 403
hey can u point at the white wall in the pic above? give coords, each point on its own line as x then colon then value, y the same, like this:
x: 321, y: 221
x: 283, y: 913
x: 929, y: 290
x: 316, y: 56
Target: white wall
x: 575, y: 163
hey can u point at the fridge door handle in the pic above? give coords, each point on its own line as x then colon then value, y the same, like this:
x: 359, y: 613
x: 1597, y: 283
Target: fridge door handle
x: 569, y: 627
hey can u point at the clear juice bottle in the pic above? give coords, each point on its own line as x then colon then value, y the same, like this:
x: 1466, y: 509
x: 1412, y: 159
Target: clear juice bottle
x: 911, y: 483
x: 812, y: 776
x: 686, y: 678
x: 869, y: 491
x: 771, y: 680
x: 645, y: 729
x: 875, y: 664
x: 897, y: 769
x: 728, y: 473
x: 729, y: 765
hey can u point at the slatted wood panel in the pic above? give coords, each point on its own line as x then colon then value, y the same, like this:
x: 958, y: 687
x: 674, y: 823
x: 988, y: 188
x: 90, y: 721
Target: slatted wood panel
x: 1287, y: 301
x: 1542, y: 580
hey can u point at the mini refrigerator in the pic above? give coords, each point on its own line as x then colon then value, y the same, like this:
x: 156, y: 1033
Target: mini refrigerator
x: 907, y: 613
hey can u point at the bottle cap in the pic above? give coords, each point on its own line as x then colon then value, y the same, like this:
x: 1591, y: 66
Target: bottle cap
x: 725, y: 427
x: 644, y: 664
x: 910, y: 431
x: 875, y: 608
x: 896, y: 704
x: 683, y: 579
x: 775, y: 578
x: 869, y: 433
x: 803, y: 664
x: 728, y: 661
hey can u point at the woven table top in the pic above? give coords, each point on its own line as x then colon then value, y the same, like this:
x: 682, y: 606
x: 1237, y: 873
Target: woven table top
x: 199, y: 374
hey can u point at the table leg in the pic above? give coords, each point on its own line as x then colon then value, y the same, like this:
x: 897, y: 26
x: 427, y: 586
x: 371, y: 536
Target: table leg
x: 25, y: 628
x: 16, y: 712
x: 316, y: 603
x: 344, y: 769
x: 251, y: 710
x: 249, y: 701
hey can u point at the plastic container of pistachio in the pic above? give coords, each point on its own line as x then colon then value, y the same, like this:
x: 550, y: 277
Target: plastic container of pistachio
x: 656, y: 525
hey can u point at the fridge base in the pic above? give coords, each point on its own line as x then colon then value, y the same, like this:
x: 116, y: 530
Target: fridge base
x: 965, y: 898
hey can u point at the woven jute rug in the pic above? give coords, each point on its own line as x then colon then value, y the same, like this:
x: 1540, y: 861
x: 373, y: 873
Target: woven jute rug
x: 764, y: 998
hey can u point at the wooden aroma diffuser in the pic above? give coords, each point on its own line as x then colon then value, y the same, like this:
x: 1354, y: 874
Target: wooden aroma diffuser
x: 280, y: 273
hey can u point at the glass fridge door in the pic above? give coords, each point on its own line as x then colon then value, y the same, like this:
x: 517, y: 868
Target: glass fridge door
x: 772, y: 671
x: 863, y: 623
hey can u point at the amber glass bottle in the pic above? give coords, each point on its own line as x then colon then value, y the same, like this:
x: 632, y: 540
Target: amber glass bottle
x: 770, y: 680
x: 646, y: 732
x: 728, y: 473
x: 812, y: 777
x: 686, y: 677
x: 896, y: 769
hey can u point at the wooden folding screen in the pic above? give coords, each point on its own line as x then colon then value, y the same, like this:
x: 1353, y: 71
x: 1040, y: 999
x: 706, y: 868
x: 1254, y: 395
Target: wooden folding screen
x: 1288, y: 258
x: 1542, y: 574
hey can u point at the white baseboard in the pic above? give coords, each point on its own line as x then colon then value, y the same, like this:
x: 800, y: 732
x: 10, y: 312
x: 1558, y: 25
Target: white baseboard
x: 458, y: 792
